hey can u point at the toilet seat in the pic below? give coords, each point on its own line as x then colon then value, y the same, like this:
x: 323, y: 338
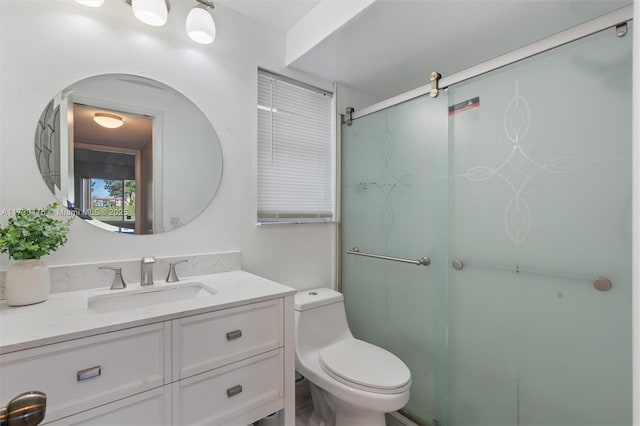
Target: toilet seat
x: 365, y: 366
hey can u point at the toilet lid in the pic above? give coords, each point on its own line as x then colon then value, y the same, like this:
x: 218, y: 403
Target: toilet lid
x: 365, y: 366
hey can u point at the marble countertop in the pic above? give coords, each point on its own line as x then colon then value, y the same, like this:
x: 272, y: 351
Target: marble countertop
x: 66, y: 316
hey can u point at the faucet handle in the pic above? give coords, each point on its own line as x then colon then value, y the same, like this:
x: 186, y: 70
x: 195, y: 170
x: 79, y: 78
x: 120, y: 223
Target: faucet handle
x: 118, y: 281
x: 172, y: 277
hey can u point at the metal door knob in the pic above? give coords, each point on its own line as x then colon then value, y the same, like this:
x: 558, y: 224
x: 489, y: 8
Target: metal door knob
x: 27, y: 409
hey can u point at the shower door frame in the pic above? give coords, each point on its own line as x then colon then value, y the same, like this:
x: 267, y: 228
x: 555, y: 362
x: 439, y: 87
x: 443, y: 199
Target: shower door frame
x: 609, y: 21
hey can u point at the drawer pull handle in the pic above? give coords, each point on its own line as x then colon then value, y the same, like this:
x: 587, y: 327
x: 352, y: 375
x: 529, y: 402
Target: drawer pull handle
x: 234, y: 390
x: 235, y: 334
x: 89, y: 373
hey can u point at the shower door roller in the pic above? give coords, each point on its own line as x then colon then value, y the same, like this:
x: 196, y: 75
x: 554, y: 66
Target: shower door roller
x: 457, y: 264
x: 434, y: 77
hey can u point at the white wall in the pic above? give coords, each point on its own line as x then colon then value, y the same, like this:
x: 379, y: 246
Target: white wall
x: 46, y: 45
x: 349, y: 97
x: 636, y: 213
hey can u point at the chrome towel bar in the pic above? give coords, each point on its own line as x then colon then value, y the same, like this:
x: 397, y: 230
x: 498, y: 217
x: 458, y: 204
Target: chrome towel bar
x: 423, y: 261
x: 599, y: 283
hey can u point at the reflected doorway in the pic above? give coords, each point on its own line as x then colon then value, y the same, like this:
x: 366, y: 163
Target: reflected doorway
x: 113, y: 169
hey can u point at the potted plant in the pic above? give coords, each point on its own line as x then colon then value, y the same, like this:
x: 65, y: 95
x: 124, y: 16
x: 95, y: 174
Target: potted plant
x: 27, y: 237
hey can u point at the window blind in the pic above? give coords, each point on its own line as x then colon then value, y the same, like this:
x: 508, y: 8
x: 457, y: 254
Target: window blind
x: 296, y: 153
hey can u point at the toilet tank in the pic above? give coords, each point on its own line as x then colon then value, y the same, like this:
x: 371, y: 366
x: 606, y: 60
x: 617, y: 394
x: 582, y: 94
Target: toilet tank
x: 320, y: 319
x: 309, y: 299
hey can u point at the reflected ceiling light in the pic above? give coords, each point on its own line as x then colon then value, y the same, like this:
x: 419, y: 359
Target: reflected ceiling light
x: 200, y: 25
x: 151, y: 12
x: 91, y: 3
x: 110, y: 121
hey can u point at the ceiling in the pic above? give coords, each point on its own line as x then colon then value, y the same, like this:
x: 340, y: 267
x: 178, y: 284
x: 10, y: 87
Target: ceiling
x: 134, y: 134
x: 278, y: 14
x: 392, y: 45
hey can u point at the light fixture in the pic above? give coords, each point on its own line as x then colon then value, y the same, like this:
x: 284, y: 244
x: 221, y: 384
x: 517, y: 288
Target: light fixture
x: 91, y: 3
x: 151, y: 12
x: 200, y: 25
x: 108, y: 120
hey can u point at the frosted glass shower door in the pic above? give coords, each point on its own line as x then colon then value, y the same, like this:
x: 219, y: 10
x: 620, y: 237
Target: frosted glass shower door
x: 388, y: 161
x: 540, y: 207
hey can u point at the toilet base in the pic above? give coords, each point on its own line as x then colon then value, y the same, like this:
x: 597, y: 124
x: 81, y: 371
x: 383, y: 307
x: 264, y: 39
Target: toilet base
x: 350, y: 415
x: 331, y: 411
x: 323, y: 412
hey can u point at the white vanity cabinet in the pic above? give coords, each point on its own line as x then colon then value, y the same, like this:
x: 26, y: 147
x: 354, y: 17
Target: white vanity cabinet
x: 241, y: 389
x: 211, y: 340
x: 150, y: 408
x: 84, y: 373
x: 228, y: 363
x: 230, y: 366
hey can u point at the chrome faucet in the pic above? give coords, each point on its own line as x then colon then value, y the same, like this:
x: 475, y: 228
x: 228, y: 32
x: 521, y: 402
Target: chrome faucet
x: 146, y: 270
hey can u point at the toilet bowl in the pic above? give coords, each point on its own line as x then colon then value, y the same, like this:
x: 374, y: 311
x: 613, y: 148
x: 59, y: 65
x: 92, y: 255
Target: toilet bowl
x: 354, y: 383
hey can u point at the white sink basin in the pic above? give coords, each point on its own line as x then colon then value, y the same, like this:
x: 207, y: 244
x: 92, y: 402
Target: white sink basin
x: 147, y: 297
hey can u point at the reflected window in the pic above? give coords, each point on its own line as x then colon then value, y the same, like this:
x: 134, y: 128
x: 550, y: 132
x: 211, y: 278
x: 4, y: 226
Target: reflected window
x: 112, y: 201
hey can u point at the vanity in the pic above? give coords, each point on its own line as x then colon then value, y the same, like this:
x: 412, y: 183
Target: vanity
x: 212, y: 349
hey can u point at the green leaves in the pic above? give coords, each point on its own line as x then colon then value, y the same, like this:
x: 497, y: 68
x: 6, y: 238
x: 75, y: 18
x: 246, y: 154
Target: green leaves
x: 32, y: 234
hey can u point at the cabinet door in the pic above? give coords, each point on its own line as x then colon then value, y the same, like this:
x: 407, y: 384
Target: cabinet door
x: 80, y: 374
x: 220, y: 396
x: 209, y: 341
x: 151, y: 408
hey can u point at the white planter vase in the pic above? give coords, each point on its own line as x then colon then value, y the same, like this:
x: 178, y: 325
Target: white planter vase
x: 27, y: 282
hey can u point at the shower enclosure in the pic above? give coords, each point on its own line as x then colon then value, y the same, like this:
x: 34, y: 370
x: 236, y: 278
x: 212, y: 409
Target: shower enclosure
x: 516, y: 185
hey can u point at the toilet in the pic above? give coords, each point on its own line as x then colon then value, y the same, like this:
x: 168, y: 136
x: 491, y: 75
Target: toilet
x: 353, y: 383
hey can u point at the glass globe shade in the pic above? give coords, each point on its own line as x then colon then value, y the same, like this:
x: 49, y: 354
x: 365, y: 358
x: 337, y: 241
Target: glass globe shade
x: 151, y: 12
x: 91, y: 3
x: 200, y: 26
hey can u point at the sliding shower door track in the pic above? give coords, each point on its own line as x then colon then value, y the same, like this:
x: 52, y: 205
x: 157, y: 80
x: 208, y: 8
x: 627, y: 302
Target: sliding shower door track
x: 593, y: 26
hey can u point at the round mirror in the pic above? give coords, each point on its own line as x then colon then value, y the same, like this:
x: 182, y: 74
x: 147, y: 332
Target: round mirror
x: 128, y: 154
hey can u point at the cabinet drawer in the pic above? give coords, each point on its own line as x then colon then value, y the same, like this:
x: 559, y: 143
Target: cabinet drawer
x: 212, y: 340
x: 83, y: 373
x: 150, y: 408
x: 215, y: 397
